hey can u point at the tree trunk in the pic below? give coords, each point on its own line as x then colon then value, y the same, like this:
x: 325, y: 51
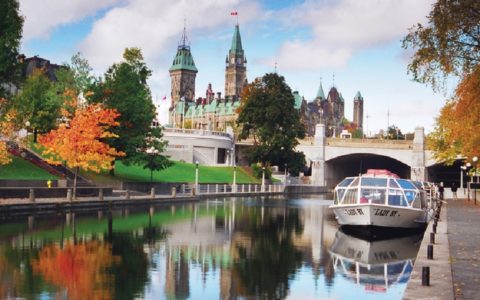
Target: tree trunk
x: 74, y: 196
x: 151, y: 175
x: 112, y: 170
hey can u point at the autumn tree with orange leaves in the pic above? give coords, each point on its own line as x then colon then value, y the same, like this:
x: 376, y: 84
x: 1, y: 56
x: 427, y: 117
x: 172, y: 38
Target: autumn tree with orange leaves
x: 79, y: 140
x: 79, y: 268
x: 458, y: 126
x: 8, y: 130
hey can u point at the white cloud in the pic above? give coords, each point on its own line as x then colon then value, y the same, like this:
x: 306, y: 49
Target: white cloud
x: 155, y: 26
x: 41, y: 17
x: 341, y: 28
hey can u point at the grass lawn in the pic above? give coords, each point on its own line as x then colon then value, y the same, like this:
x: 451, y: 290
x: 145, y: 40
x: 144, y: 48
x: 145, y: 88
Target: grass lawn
x: 20, y: 169
x: 179, y: 172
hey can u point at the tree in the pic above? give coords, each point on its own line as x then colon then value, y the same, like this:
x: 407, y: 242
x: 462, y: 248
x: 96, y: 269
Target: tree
x: 80, y: 268
x: 448, y: 45
x: 38, y: 103
x: 155, y: 161
x: 79, y: 141
x: 125, y: 89
x: 457, y: 129
x: 394, y: 133
x: 8, y: 129
x: 82, y: 72
x: 11, y: 24
x: 267, y: 115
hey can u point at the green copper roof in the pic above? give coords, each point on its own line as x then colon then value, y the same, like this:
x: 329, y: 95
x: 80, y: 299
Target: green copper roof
x: 183, y: 60
x: 320, y: 93
x: 341, y: 97
x: 358, y: 95
x: 236, y: 42
x: 298, y: 100
x: 179, y: 107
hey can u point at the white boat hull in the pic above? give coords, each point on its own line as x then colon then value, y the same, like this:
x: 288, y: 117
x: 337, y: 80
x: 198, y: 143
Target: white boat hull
x: 380, y: 215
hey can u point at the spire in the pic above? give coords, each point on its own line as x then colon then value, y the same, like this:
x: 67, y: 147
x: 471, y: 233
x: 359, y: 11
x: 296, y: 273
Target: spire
x: 358, y: 96
x: 183, y: 59
x: 320, y: 93
x: 236, y: 47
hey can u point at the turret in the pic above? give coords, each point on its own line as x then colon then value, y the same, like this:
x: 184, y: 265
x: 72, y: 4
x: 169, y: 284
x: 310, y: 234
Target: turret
x: 235, y: 70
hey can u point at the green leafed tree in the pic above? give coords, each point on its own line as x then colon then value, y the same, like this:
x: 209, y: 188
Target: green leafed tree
x: 449, y: 44
x: 76, y: 76
x: 125, y: 89
x: 268, y: 116
x: 11, y: 23
x: 38, y: 103
x: 155, y: 161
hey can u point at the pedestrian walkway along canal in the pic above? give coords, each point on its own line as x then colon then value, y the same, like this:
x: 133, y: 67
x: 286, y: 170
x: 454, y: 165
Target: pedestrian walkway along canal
x: 227, y: 248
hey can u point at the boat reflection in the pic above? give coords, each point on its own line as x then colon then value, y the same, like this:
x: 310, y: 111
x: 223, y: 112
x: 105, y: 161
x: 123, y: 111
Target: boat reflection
x: 376, y: 265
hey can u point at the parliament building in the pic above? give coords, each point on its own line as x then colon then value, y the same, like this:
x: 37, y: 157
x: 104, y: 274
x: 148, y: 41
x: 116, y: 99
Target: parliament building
x: 217, y: 112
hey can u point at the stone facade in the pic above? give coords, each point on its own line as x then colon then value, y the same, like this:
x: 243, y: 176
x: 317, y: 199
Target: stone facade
x: 235, y: 69
x: 211, y: 112
x: 330, y: 111
x: 358, y: 110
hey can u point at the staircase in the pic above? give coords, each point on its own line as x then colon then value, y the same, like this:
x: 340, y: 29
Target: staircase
x: 57, y: 170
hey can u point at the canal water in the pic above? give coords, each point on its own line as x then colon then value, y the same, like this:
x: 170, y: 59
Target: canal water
x: 227, y: 248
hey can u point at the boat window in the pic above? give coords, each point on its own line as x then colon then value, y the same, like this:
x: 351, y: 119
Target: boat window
x: 376, y: 196
x: 396, y: 197
x: 417, y: 203
x: 350, y: 197
x: 369, y: 181
x: 345, y: 182
x: 338, y: 195
x: 410, y: 195
x: 355, y: 182
x: 418, y: 184
x: 406, y: 184
x: 393, y: 184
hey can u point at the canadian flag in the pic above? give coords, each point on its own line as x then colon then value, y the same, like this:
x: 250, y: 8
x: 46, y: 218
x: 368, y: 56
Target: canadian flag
x: 164, y: 98
x: 234, y: 13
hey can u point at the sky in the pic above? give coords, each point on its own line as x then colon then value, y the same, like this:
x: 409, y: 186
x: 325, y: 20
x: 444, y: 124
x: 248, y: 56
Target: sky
x: 350, y: 44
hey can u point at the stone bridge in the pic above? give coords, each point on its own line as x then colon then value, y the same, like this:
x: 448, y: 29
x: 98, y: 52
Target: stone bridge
x: 332, y: 159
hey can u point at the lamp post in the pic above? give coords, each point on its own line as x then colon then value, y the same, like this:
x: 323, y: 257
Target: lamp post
x: 462, y: 169
x: 234, y: 185
x: 285, y: 174
x: 196, y: 176
x: 468, y: 166
x: 475, y: 160
x: 263, y: 179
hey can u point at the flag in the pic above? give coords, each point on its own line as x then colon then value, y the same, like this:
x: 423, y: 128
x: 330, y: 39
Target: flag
x: 234, y: 13
x: 164, y: 98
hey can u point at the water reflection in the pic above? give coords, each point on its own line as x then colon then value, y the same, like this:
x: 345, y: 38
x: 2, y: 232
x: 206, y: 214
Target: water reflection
x: 272, y: 248
x: 375, y: 265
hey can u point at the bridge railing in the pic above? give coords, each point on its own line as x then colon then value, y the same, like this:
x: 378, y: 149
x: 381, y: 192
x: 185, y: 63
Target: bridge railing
x: 197, y: 132
x: 373, y: 143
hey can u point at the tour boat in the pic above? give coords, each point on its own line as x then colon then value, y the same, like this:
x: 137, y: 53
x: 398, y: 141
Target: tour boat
x: 375, y: 265
x: 380, y: 198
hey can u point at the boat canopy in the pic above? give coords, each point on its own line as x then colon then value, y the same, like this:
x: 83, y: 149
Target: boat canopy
x: 385, y: 189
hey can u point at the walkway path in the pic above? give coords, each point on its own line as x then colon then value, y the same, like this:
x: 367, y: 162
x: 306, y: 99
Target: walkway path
x: 464, y: 236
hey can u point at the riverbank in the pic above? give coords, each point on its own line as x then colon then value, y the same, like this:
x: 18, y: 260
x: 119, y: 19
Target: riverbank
x: 21, y: 206
x: 454, y: 269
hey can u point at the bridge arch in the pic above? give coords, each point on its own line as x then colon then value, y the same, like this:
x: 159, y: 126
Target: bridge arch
x: 352, y: 164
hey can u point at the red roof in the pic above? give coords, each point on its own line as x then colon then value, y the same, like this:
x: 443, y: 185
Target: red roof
x: 377, y: 172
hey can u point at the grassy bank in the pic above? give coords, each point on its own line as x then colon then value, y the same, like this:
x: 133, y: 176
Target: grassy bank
x: 179, y: 172
x: 20, y: 169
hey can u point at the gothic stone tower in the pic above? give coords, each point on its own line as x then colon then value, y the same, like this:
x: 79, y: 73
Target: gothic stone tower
x: 236, y: 69
x: 182, y: 73
x: 358, y: 110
